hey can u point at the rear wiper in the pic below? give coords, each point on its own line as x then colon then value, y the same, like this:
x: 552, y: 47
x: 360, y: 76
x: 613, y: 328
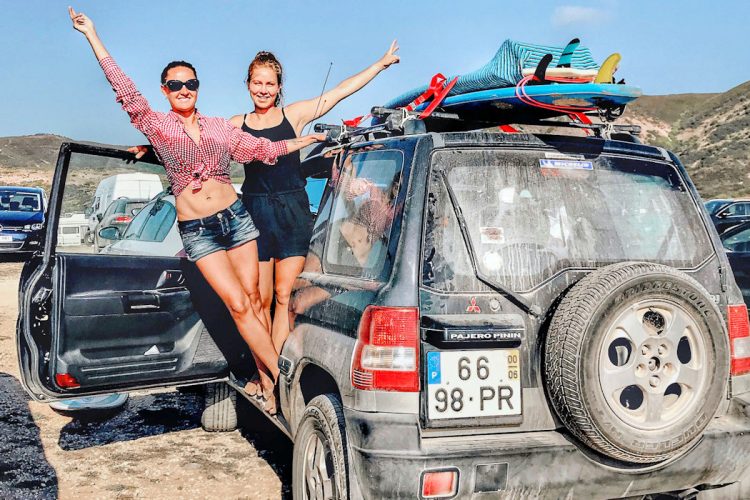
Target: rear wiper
x: 508, y: 294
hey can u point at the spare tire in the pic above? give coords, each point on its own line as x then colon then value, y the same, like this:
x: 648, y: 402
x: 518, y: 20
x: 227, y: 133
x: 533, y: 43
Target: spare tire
x: 637, y: 361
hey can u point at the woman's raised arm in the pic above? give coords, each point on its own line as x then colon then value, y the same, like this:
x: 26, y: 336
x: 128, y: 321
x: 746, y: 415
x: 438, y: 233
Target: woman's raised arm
x: 303, y: 112
x: 132, y: 101
x: 82, y: 23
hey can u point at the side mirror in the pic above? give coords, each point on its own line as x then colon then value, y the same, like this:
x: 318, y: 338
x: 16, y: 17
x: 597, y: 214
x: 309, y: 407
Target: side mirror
x: 110, y: 233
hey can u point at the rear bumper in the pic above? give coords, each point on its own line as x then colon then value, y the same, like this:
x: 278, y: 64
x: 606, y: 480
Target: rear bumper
x: 388, y: 457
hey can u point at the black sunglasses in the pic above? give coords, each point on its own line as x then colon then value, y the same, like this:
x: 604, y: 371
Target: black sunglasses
x: 175, y: 85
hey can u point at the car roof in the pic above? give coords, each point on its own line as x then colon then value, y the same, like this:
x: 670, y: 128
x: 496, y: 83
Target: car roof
x: 29, y: 189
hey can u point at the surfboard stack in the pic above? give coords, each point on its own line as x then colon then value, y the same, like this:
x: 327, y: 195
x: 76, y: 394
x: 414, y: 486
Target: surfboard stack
x: 526, y: 82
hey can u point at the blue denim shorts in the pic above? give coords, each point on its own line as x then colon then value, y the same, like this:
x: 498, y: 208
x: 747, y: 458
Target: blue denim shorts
x: 224, y: 230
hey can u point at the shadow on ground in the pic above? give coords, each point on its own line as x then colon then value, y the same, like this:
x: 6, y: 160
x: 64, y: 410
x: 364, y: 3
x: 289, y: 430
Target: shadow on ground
x: 271, y: 444
x: 24, y: 470
x: 143, y: 416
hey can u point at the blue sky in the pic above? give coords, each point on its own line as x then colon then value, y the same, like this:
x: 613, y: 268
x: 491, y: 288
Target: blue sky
x: 51, y: 83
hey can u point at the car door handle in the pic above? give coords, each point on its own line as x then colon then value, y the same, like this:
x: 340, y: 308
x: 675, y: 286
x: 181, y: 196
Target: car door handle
x: 170, y: 278
x: 141, y: 302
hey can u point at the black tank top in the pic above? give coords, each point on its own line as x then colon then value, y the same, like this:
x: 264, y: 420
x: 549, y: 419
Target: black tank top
x: 286, y: 175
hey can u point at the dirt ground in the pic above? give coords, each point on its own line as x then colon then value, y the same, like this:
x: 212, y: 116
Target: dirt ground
x: 153, y: 448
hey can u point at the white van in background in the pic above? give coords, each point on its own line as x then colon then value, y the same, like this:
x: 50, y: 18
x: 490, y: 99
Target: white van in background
x: 142, y: 186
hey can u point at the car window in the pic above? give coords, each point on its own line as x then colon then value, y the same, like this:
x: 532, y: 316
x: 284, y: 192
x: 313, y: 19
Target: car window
x: 529, y: 216
x: 152, y: 223
x: 114, y: 207
x: 92, y: 179
x: 363, y: 211
x: 739, y: 242
x: 737, y: 209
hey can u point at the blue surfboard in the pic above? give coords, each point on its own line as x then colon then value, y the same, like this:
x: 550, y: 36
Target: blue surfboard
x: 504, y: 104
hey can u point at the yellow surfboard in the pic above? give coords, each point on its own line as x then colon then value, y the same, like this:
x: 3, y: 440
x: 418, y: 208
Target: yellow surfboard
x: 608, y: 68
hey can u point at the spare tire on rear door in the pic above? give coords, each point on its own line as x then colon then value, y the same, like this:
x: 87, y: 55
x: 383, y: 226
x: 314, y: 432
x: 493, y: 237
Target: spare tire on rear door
x: 636, y: 361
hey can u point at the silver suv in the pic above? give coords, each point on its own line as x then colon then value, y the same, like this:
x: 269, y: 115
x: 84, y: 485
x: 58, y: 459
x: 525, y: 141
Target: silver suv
x: 480, y: 314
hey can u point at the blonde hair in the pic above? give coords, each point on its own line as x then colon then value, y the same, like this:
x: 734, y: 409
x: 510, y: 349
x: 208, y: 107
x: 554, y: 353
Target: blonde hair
x: 269, y: 60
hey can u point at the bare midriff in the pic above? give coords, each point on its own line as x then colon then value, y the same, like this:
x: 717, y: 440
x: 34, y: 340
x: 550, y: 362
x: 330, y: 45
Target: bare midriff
x: 212, y: 197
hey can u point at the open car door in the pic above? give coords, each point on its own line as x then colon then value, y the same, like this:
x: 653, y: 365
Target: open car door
x: 117, y: 320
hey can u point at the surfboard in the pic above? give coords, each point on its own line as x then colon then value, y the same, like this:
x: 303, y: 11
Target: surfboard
x: 608, y: 68
x: 504, y: 104
x: 587, y: 75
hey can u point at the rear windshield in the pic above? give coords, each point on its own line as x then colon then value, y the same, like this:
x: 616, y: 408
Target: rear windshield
x: 530, y: 215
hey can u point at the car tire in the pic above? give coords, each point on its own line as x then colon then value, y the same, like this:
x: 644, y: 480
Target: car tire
x: 637, y: 361
x: 220, y: 408
x: 322, y: 434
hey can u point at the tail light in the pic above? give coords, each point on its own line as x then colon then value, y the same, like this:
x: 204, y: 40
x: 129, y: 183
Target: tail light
x: 739, y: 338
x: 66, y: 381
x: 440, y: 484
x: 386, y: 356
x: 123, y: 218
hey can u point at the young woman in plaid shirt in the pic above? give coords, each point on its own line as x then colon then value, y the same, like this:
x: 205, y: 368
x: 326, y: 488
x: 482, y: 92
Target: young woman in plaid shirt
x: 217, y: 231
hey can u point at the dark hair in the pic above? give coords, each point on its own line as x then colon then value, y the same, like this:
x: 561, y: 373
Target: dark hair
x: 176, y: 64
x: 264, y: 58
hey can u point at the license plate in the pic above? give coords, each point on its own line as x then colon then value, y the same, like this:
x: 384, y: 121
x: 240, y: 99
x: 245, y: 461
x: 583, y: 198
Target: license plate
x: 464, y: 384
x: 6, y: 239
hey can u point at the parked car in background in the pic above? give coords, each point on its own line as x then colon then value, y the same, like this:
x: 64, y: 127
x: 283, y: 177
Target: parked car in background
x: 713, y: 206
x: 118, y: 215
x: 136, y: 185
x: 72, y: 229
x: 731, y: 214
x: 736, y: 242
x: 21, y: 218
x: 153, y: 231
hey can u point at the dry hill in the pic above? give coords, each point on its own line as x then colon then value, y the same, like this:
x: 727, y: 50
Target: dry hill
x: 709, y: 132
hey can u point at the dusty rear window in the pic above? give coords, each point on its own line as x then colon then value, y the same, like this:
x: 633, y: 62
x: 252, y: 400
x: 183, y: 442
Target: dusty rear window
x: 530, y: 215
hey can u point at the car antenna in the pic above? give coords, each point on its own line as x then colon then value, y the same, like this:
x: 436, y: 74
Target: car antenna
x: 317, y: 106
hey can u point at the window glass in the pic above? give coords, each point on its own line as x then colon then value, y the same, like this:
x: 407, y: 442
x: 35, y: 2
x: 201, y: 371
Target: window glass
x: 98, y: 192
x: 19, y: 201
x: 529, y: 217
x: 739, y: 242
x: 363, y: 211
x: 153, y: 223
x: 737, y: 209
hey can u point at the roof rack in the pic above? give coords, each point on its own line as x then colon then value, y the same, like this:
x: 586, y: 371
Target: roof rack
x: 403, y: 122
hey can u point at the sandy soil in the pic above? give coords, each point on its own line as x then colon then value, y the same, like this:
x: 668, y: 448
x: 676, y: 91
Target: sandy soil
x: 153, y: 448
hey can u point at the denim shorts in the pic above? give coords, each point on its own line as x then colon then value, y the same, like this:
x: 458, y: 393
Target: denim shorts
x: 224, y: 230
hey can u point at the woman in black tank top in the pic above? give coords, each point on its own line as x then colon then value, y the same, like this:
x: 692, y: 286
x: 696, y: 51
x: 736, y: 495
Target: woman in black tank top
x: 275, y: 195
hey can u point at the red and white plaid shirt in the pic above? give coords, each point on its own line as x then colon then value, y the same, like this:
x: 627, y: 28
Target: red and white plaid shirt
x: 184, y: 161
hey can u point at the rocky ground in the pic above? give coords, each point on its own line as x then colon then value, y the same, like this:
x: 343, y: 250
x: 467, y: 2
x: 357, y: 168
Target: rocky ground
x: 153, y: 448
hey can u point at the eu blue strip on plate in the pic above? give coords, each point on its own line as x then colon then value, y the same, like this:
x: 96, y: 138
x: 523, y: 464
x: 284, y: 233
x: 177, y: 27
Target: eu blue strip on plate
x: 433, y: 367
x: 566, y: 164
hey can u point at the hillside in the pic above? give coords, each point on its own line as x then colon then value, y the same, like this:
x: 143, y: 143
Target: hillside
x: 709, y: 132
x: 30, y: 161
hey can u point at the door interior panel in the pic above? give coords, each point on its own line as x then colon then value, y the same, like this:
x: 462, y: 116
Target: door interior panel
x: 121, y: 324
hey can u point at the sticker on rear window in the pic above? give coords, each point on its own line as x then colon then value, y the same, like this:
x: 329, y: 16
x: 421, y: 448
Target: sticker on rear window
x: 492, y: 235
x: 566, y: 164
x: 563, y: 156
